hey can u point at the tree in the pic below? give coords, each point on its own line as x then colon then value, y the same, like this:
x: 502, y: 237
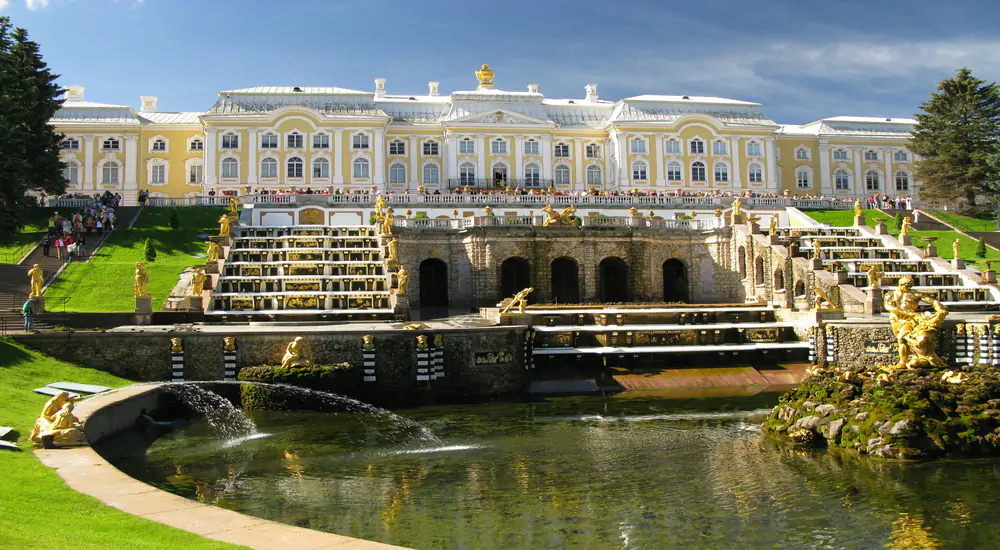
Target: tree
x: 981, y: 248
x: 149, y: 250
x: 955, y: 137
x: 898, y: 219
x: 175, y: 221
x: 29, y: 147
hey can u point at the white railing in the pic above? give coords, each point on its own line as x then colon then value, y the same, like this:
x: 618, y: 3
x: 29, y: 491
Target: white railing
x: 503, y: 221
x: 201, y: 200
x: 538, y: 221
x: 429, y: 223
x: 69, y: 203
x: 350, y: 199
x: 269, y: 199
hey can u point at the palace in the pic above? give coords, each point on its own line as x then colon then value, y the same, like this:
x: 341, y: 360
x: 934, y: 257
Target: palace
x: 326, y: 139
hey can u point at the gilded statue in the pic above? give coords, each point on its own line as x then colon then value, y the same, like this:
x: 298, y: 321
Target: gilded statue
x: 633, y: 211
x: 213, y: 252
x: 422, y: 341
x: 141, y: 280
x: 224, y: 225
x: 438, y: 341
x: 816, y: 254
x: 737, y: 209
x: 380, y: 204
x: 875, y: 275
x: 37, y: 276
x: 295, y: 354
x: 558, y: 218
x: 905, y: 228
x: 489, y: 211
x: 392, y: 249
x: 955, y: 245
x: 858, y: 211
x: 57, y: 426
x: 772, y: 228
x: 368, y: 341
x: 234, y: 204
x: 198, y: 282
x: 520, y: 300
x: 228, y: 343
x: 415, y: 326
x: 385, y: 227
x: 916, y: 333
x: 485, y: 76
x: 822, y: 300
x: 176, y: 345
x: 403, y: 280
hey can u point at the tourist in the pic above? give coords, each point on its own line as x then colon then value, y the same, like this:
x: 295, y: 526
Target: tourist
x: 916, y: 215
x: 28, y: 310
x: 59, y: 247
x: 46, y: 245
x: 70, y: 251
x: 100, y: 227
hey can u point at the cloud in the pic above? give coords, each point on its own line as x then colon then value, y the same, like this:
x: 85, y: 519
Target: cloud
x: 37, y: 4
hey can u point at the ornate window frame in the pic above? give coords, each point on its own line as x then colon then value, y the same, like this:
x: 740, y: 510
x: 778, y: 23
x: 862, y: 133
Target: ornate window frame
x: 564, y: 168
x: 188, y: 164
x: 401, y: 146
x: 424, y: 144
x: 808, y: 181
x: 423, y: 172
x: 803, y: 153
x: 190, y: 141
x: 361, y: 140
x: 691, y: 146
x: 725, y: 173
x: 119, y: 168
x: 394, y: 169
x: 640, y: 168
x: 679, y: 170
x: 704, y: 171
x: 750, y: 172
x: 223, y: 162
x: 152, y: 142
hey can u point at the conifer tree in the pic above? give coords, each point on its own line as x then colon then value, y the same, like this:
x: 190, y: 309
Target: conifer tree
x: 954, y: 137
x: 981, y: 248
x: 149, y: 250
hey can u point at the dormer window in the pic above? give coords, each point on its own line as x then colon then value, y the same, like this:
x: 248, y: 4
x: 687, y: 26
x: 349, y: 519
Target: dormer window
x: 294, y: 140
x: 397, y: 147
x: 359, y: 141
x: 562, y: 150
x: 802, y: 153
x: 638, y: 145
x: 197, y: 145
x: 498, y: 147
x: 111, y: 144
x: 70, y: 144
x: 593, y: 151
x: 697, y: 147
x: 720, y: 148
x: 531, y: 147
x: 230, y: 141
x: 467, y: 146
x: 269, y: 141
x: 159, y: 146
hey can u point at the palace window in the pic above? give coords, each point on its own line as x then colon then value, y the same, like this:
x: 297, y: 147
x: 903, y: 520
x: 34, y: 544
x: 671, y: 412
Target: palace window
x: 902, y: 181
x: 901, y: 156
x: 697, y: 146
x: 802, y: 178
x: 467, y: 173
x: 756, y: 173
x: 498, y: 147
x: 196, y: 173
x: 268, y: 168
x: 638, y: 145
x: 397, y: 173
x: 753, y: 149
x: 321, y: 141
x: 674, y: 172
x: 111, y: 144
x: 294, y: 141
x: 158, y: 174
x: 269, y: 141
x: 230, y: 141
x: 70, y: 144
x: 562, y: 150
x: 397, y: 147
x: 721, y: 172
x: 71, y: 173
x: 230, y: 168
x: 109, y: 173
x: 871, y: 156
x: 361, y: 168
x: 840, y: 154
x: 359, y: 141
x: 594, y: 176
x: 698, y: 171
x: 531, y: 147
x: 321, y: 169
x: 673, y: 146
x: 719, y: 148
x: 431, y: 173
x: 639, y: 171
x: 802, y: 153
x: 593, y: 151
x: 159, y: 146
x: 294, y: 167
x: 841, y: 180
x: 467, y: 146
x: 430, y: 148
x: 531, y: 173
x: 873, y: 181
x: 197, y: 145
x: 562, y: 174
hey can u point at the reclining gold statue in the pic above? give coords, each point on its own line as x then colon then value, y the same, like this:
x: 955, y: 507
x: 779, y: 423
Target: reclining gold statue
x: 295, y: 354
x: 561, y: 218
x: 57, y: 426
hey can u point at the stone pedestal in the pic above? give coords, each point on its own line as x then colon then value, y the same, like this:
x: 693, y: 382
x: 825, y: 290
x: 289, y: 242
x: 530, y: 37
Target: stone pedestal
x: 773, y: 239
x: 753, y: 228
x: 815, y: 264
x: 39, y: 306
x: 738, y: 219
x: 841, y: 276
x: 958, y: 263
x: 930, y: 251
x: 212, y: 268
x: 143, y: 304
x: 880, y: 229
x: 400, y: 304
x: 828, y: 314
x: 873, y: 301
x: 905, y: 240
x: 517, y: 319
x: 989, y: 276
x: 859, y: 221
x: 195, y: 302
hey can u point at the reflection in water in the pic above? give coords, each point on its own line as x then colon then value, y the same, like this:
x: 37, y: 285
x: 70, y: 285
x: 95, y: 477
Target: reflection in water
x: 578, y: 472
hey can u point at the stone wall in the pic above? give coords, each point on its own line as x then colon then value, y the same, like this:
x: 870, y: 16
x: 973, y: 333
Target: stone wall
x: 844, y: 343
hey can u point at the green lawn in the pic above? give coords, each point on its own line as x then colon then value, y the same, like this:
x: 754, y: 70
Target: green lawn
x: 37, y: 509
x: 13, y: 247
x: 105, y: 282
x: 964, y: 223
x: 967, y: 246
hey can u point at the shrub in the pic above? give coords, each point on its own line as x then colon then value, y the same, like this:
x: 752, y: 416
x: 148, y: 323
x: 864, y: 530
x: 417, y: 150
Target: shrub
x: 338, y: 378
x: 372, y: 219
x: 149, y: 250
x: 175, y: 221
x: 981, y: 248
x: 898, y: 219
x: 420, y: 216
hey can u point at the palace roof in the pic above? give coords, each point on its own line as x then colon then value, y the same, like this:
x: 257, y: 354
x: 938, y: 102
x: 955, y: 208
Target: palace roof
x: 853, y: 126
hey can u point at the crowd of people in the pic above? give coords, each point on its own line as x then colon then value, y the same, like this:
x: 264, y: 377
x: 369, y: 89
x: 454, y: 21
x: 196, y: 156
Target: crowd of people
x: 68, y: 234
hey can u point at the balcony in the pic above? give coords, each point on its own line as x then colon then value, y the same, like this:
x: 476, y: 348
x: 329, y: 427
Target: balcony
x: 489, y: 183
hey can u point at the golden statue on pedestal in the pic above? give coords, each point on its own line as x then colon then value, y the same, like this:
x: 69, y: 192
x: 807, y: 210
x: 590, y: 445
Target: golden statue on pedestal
x: 916, y: 333
x: 234, y: 204
x: 955, y: 245
x: 392, y: 249
x: 422, y: 341
x: 141, y: 280
x: 37, y: 276
x: 176, y: 345
x: 403, y: 280
x: 380, y: 204
x: 224, y: 225
x: 520, y: 300
x: 633, y: 211
x: 213, y: 252
x: 489, y: 211
x: 737, y: 209
x: 858, y: 212
x: 562, y: 218
x: 295, y: 354
x: 57, y: 426
x: 904, y: 230
x: 485, y: 76
x: 822, y: 301
x: 875, y: 275
x: 198, y: 282
x: 368, y: 341
x: 772, y: 227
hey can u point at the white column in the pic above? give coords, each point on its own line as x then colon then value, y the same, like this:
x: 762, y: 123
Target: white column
x: 656, y: 149
x: 772, y: 165
x: 414, y: 175
x: 734, y: 151
x: 378, y: 156
x: 547, y: 156
x: 859, y: 182
x: 888, y: 173
x: 130, y: 189
x: 252, y: 157
x: 824, y: 168
x: 580, y: 182
x: 89, y: 144
x: 450, y: 153
x: 518, y: 154
x: 211, y: 145
x: 338, y: 157
x: 624, y: 178
x: 483, y: 150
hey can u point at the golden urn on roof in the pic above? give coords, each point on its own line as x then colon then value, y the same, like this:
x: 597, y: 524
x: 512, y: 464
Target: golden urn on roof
x: 485, y: 76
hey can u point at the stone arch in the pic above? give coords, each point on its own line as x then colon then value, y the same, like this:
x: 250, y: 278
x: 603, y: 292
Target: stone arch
x: 612, y: 280
x: 800, y: 288
x: 741, y: 259
x: 515, y: 275
x: 758, y: 270
x: 779, y: 279
x: 433, y: 283
x: 675, y: 281
x: 565, y: 274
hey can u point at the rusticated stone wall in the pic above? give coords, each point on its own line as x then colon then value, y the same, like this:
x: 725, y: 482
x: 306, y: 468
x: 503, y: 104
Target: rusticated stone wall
x: 849, y: 340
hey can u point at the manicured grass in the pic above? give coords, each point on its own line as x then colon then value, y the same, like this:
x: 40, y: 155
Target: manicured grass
x: 105, y: 282
x: 964, y: 223
x: 37, y: 510
x: 13, y: 246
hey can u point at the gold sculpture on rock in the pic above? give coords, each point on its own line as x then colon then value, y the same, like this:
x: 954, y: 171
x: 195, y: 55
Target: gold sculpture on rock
x: 213, y: 252
x: 520, y: 300
x: 403, y: 280
x: 558, y: 218
x: 141, y: 280
x: 224, y: 225
x: 57, y: 426
x: 296, y: 354
x: 823, y: 301
x: 198, y: 282
x: 228, y: 343
x: 176, y: 345
x: 875, y: 275
x: 392, y: 249
x: 916, y: 333
x: 37, y: 276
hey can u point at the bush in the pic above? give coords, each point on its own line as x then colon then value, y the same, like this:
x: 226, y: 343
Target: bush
x: 372, y: 219
x: 898, y: 219
x: 981, y: 248
x: 420, y: 216
x: 149, y: 250
x: 175, y: 222
x: 326, y: 378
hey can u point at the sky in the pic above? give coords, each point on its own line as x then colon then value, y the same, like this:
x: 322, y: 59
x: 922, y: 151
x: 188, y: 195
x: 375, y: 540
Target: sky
x: 801, y: 59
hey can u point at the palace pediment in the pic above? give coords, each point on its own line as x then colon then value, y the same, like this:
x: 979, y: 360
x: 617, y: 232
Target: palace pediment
x: 500, y: 117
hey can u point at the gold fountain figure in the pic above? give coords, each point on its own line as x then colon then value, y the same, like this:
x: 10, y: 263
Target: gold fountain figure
x: 737, y: 209
x: 905, y: 228
x: 392, y: 249
x: 823, y: 301
x: 57, y: 426
x: 234, y: 204
x: 955, y: 245
x: 558, y: 218
x: 368, y: 341
x: 176, y: 345
x: 875, y: 275
x: 295, y: 354
x: 213, y: 252
x: 228, y: 343
x: 916, y: 333
x: 520, y: 300
x: 224, y: 225
x: 141, y: 280
x: 858, y: 212
x: 37, y: 276
x: 198, y: 282
x: 403, y: 280
x: 772, y: 227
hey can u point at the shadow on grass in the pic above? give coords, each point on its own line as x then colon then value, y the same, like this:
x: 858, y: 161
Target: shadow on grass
x: 11, y: 354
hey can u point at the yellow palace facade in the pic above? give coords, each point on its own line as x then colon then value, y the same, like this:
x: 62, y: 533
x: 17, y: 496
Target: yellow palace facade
x: 327, y: 139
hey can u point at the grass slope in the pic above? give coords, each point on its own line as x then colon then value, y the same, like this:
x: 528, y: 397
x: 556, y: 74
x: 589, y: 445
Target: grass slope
x: 13, y: 246
x: 105, y: 282
x: 967, y: 246
x: 37, y: 509
x: 964, y: 223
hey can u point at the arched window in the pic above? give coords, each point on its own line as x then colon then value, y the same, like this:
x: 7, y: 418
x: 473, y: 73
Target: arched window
x: 268, y: 168
x: 109, y: 173
x: 397, y: 173
x: 531, y: 173
x: 71, y: 173
x: 321, y: 168
x: 159, y: 145
x: 562, y: 174
x: 639, y: 171
x: 841, y: 179
x: 197, y: 145
x: 674, y: 172
x: 721, y: 172
x: 467, y: 173
x: 803, y: 178
x: 361, y: 168
x: 594, y: 176
x: 902, y: 181
x: 756, y: 173
x: 295, y: 167
x: 873, y: 181
x: 431, y: 174
x: 230, y: 168
x: 779, y: 280
x: 698, y: 171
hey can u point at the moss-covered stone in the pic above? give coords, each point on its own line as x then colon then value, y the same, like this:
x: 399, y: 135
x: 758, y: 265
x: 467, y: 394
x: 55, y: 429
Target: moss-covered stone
x: 339, y: 379
x: 916, y: 415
